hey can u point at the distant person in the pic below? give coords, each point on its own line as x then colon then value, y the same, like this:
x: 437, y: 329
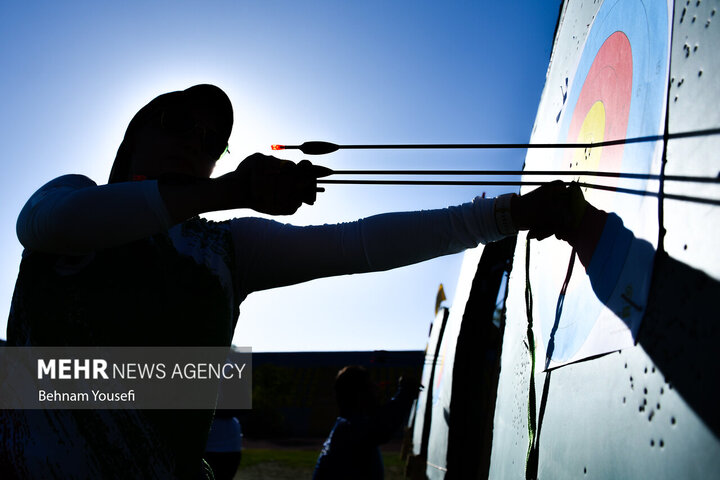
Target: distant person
x: 352, y: 450
x: 131, y: 263
x: 224, y: 445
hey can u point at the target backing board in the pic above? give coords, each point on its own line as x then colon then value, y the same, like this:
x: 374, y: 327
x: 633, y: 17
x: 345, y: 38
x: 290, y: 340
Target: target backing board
x: 430, y: 366
x: 443, y: 381
x: 643, y: 403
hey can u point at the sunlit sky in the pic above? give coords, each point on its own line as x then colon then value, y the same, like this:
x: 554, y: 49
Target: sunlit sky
x: 74, y: 73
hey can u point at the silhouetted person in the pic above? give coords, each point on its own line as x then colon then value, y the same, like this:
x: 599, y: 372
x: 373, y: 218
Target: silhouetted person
x: 132, y: 263
x: 352, y: 450
x: 224, y: 446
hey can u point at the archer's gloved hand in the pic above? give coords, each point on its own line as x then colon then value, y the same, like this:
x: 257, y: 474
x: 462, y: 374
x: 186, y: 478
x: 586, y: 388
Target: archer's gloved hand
x: 278, y: 187
x: 554, y: 208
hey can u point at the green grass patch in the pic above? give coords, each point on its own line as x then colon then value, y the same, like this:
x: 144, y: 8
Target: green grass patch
x: 392, y: 459
x: 288, y: 458
x: 290, y: 463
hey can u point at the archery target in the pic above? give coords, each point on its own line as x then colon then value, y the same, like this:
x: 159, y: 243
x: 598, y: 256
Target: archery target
x: 602, y: 109
x: 618, y: 91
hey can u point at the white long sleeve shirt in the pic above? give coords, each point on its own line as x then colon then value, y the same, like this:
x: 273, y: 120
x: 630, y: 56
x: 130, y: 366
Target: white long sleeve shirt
x: 73, y: 218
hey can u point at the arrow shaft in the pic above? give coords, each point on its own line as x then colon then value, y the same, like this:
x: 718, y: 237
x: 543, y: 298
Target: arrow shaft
x: 441, y: 146
x: 503, y: 183
x: 554, y: 173
x: 506, y: 183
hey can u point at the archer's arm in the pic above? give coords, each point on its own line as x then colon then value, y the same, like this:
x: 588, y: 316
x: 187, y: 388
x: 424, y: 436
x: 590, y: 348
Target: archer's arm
x: 72, y: 215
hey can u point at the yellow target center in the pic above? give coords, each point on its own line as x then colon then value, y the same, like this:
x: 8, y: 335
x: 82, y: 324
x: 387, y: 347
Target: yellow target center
x: 591, y: 131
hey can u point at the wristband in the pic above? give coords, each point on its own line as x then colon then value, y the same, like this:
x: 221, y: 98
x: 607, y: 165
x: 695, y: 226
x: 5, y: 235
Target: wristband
x: 503, y: 218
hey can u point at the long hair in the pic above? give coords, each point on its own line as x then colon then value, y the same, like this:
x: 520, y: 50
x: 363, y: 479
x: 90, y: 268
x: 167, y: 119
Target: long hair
x: 205, y: 93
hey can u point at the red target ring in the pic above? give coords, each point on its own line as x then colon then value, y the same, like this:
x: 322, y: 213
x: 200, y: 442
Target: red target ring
x: 603, y: 107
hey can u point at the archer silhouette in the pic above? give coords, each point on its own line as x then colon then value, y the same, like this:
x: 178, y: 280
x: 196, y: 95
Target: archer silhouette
x: 130, y: 263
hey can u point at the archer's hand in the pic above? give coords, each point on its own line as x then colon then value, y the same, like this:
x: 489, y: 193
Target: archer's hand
x: 554, y: 208
x: 274, y: 186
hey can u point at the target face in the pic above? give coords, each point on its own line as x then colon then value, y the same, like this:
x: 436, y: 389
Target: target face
x: 618, y: 91
x: 602, y: 108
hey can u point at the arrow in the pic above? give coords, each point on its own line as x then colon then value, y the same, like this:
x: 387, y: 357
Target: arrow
x: 322, y: 148
x: 553, y: 173
x: 510, y: 183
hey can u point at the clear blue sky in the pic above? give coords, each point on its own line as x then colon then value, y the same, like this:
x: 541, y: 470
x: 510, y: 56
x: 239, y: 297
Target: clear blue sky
x: 73, y: 74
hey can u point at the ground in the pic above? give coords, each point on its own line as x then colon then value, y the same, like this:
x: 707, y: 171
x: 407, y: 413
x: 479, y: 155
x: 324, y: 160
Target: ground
x: 295, y: 460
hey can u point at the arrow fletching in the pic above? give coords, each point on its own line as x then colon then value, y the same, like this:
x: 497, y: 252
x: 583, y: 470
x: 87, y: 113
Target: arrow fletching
x: 318, y: 148
x: 310, y: 148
